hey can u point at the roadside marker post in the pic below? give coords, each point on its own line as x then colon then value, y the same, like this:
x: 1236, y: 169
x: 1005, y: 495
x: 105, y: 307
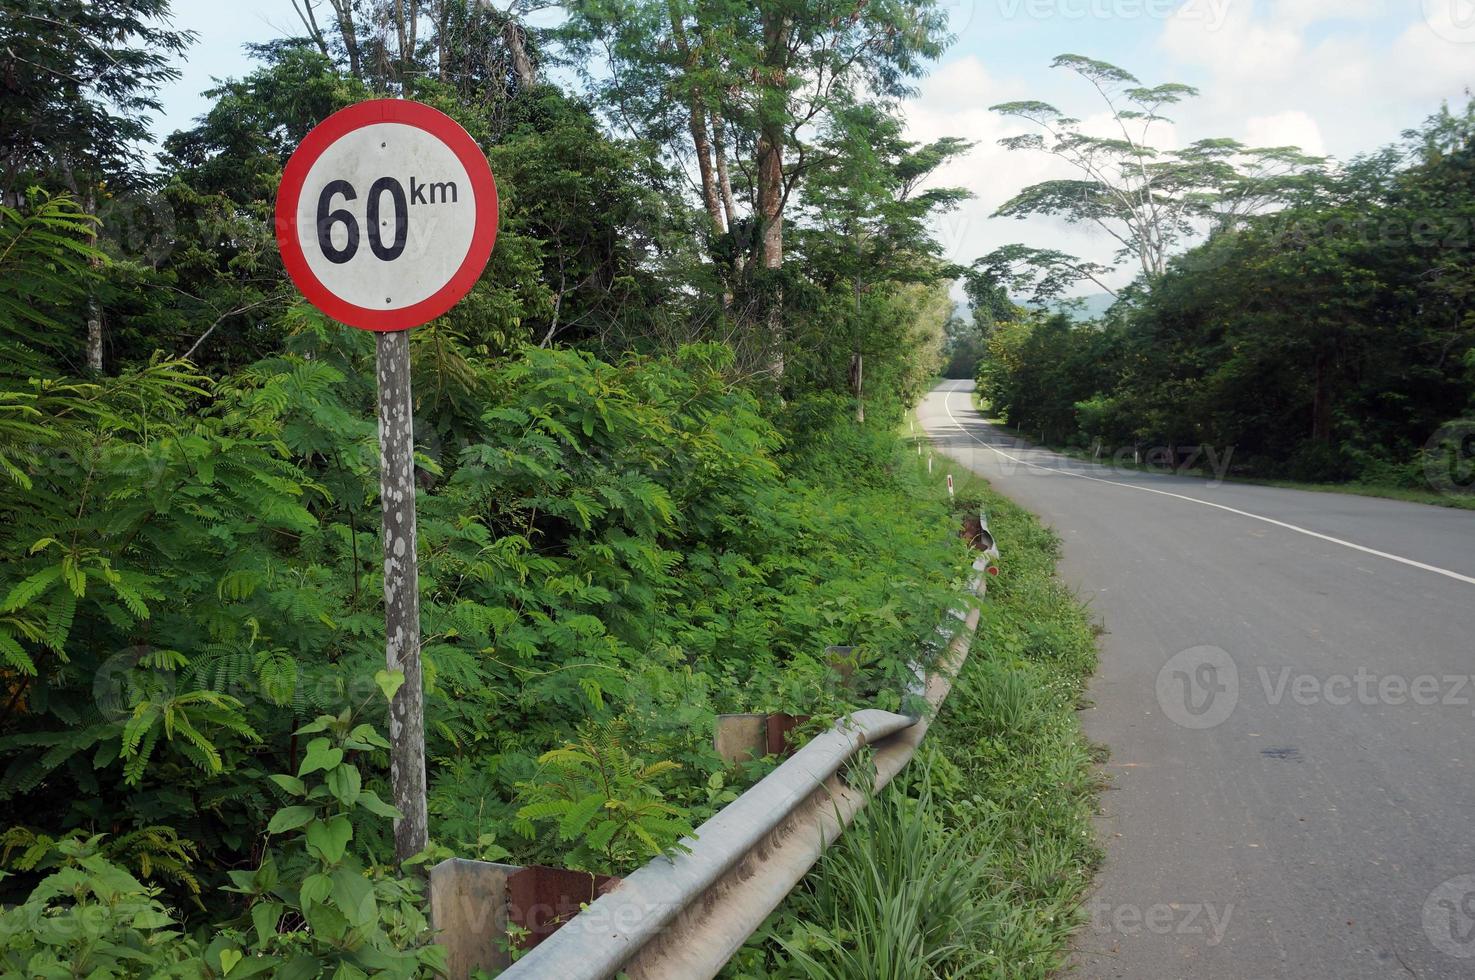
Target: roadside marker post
x: 386, y: 216
x: 949, y: 484
x: 929, y: 464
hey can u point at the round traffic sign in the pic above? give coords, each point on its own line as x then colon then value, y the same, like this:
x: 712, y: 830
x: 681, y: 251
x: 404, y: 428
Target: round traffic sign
x: 386, y: 214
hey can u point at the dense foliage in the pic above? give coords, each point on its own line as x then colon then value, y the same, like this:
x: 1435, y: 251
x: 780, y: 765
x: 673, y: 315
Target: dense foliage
x: 629, y: 518
x: 1332, y: 339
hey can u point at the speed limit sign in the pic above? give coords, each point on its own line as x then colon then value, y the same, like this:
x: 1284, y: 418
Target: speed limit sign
x: 387, y: 214
x: 386, y: 217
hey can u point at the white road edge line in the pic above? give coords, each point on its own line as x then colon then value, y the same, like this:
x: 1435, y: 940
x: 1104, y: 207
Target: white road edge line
x: 1468, y: 580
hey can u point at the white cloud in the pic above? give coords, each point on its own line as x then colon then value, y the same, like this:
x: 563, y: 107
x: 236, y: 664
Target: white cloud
x: 1338, y: 63
x: 1433, y: 66
x: 1290, y: 128
x: 1299, y: 14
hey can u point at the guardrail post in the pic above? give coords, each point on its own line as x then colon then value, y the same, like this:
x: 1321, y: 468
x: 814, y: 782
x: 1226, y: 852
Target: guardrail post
x: 468, y: 907
x: 740, y: 738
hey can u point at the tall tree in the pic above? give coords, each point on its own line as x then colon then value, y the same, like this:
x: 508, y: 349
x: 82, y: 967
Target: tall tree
x: 1149, y: 200
x: 769, y: 74
x: 78, y: 80
x: 1325, y: 341
x: 867, y: 213
x: 393, y: 44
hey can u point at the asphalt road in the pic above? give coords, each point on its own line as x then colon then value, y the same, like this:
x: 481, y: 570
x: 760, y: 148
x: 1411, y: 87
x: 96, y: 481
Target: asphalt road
x: 1286, y: 691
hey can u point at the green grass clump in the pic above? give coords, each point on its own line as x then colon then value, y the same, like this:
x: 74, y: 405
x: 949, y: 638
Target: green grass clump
x: 918, y: 882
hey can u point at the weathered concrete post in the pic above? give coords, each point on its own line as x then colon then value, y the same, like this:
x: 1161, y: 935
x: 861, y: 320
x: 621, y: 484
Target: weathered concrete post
x: 468, y: 908
x: 401, y: 592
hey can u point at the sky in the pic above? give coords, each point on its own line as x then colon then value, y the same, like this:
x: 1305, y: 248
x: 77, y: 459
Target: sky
x: 1335, y: 77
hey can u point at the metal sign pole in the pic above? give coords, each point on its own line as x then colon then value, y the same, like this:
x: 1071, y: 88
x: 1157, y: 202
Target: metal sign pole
x: 401, y: 592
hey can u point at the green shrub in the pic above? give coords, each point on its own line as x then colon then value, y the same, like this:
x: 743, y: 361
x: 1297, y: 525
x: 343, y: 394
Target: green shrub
x: 90, y: 917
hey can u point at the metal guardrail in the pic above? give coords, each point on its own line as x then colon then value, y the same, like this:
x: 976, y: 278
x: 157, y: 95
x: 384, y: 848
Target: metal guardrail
x: 686, y: 915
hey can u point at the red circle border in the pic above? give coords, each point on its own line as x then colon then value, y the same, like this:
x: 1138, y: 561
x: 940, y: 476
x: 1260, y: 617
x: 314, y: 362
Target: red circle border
x: 334, y: 128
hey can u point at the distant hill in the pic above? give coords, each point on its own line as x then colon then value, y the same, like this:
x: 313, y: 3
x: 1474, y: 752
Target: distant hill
x: 1094, y: 307
x: 1091, y: 307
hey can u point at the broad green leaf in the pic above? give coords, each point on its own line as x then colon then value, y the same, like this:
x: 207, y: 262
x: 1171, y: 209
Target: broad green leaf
x: 321, y: 754
x: 354, y: 895
x: 291, y: 784
x: 151, y: 919
x: 315, y: 888
x: 303, y: 967
x: 389, y: 681
x: 290, y: 818
x: 344, y: 783
x: 326, y: 921
x: 264, y: 917
x: 266, y: 876
x: 328, y: 839
x: 364, y: 736
x: 318, y: 724
x: 370, y: 801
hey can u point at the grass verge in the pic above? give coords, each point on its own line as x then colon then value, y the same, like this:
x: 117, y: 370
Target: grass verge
x: 974, y: 861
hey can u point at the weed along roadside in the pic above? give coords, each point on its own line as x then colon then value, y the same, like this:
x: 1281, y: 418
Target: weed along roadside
x: 970, y: 862
x: 974, y: 861
x: 684, y: 914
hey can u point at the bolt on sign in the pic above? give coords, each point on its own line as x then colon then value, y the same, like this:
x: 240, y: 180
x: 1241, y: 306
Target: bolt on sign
x: 386, y: 217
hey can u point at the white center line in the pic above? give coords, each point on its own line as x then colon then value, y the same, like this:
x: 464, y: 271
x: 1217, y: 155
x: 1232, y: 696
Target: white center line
x: 1468, y: 580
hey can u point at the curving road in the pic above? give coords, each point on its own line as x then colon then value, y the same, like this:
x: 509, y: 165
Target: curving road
x: 1287, y: 689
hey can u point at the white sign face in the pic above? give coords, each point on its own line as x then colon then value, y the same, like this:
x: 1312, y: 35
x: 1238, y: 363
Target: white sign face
x: 386, y: 215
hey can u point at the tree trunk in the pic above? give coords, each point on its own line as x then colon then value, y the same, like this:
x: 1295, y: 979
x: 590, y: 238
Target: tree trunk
x: 94, y: 336
x: 724, y: 184
x: 1321, y: 403
x: 770, y: 160
x: 729, y: 206
x: 442, y: 18
x: 413, y: 29
x: 402, y: 38
x: 94, y: 309
x: 771, y: 236
x: 857, y: 362
x: 522, y: 65
x: 771, y: 197
x: 697, y: 115
x: 343, y: 10
x: 704, y: 164
x: 309, y: 19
